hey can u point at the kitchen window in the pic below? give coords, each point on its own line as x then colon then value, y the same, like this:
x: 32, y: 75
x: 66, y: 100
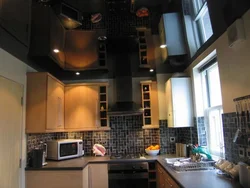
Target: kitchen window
x: 197, y: 23
x: 202, y: 20
x: 212, y: 104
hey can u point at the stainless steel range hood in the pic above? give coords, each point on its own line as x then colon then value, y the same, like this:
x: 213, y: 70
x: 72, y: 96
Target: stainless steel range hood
x: 124, y: 95
x: 124, y: 104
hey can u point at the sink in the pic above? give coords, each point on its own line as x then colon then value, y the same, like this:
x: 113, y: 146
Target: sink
x: 186, y: 165
x: 173, y: 160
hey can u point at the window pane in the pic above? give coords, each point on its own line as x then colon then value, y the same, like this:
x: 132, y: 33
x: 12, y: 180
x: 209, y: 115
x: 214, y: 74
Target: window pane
x: 208, y: 31
x: 215, y: 130
x: 214, y: 86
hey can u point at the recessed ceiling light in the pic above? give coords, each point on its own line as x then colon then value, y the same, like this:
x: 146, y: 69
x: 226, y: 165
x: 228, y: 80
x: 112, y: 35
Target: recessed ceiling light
x: 151, y: 70
x: 163, y: 46
x: 77, y: 73
x: 56, y: 50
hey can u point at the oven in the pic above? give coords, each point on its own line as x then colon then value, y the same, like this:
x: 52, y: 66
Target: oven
x: 128, y: 175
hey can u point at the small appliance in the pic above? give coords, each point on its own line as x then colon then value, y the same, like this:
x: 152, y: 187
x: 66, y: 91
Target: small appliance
x: 64, y: 149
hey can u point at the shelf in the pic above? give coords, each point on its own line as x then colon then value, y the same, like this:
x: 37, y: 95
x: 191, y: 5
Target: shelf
x: 104, y: 118
x: 152, y: 180
x: 151, y: 170
x: 150, y: 127
x: 144, y: 66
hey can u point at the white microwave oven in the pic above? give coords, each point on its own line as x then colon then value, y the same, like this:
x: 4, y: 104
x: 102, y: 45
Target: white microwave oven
x: 64, y: 149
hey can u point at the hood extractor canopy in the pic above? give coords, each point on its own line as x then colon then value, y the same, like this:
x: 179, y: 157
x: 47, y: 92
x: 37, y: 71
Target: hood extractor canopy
x: 124, y: 104
x: 123, y: 81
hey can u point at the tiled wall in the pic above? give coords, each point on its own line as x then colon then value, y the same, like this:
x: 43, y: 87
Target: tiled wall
x: 126, y: 136
x: 188, y: 135
x: 165, y: 134
x: 229, y: 128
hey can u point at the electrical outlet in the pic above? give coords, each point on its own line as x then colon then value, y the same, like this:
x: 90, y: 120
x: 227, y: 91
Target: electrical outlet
x: 241, y: 152
x: 172, y: 139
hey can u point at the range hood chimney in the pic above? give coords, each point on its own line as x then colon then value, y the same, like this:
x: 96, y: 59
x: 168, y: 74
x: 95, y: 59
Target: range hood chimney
x: 123, y: 80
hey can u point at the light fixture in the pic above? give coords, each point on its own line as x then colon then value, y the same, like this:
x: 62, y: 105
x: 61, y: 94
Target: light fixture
x: 56, y: 50
x: 102, y: 38
x: 163, y: 46
x: 77, y: 73
x: 151, y: 70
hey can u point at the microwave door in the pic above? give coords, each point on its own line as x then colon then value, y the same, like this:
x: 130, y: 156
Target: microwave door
x: 68, y: 150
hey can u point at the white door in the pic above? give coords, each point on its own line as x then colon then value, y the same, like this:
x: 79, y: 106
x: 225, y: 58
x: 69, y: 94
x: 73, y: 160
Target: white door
x: 10, y: 132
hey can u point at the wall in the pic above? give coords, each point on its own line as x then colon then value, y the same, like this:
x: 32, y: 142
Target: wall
x: 233, y: 64
x: 234, y: 77
x: 14, y: 69
x: 126, y: 136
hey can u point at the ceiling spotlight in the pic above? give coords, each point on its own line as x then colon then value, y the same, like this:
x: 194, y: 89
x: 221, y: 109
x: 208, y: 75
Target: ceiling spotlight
x: 56, y: 50
x: 163, y: 46
x: 151, y: 70
x: 77, y: 73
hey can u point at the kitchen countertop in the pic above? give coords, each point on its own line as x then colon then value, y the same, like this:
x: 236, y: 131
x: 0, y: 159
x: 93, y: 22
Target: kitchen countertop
x: 194, y: 179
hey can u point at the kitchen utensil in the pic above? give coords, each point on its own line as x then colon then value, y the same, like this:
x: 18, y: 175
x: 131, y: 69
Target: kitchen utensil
x: 234, y: 172
x: 224, y: 165
x: 177, y: 149
x: 237, y: 122
x: 44, y: 154
x: 243, y: 174
x: 36, y: 158
x: 219, y: 162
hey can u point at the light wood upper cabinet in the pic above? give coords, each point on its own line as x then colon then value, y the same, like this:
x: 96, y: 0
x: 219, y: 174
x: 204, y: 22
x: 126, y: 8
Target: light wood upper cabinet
x: 150, y: 104
x: 86, y: 107
x: 82, y: 107
x: 55, y: 104
x: 44, y: 103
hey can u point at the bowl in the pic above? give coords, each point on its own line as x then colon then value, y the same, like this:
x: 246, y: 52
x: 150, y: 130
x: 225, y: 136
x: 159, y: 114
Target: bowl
x: 152, y: 152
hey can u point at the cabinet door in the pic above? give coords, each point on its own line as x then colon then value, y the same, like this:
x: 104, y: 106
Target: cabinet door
x: 169, y: 182
x: 55, y: 105
x: 85, y: 177
x: 82, y: 107
x: 98, y: 176
x: 160, y: 177
x: 169, y: 104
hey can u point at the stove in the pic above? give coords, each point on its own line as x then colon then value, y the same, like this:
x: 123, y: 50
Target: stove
x: 128, y: 156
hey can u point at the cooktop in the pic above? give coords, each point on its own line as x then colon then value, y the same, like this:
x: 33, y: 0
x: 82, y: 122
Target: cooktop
x: 128, y: 156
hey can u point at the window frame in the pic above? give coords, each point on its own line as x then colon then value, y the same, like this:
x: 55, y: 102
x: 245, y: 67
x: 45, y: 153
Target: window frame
x: 204, y: 71
x: 198, y: 14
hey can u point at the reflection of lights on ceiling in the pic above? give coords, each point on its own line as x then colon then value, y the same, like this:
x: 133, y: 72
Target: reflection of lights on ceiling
x: 77, y: 73
x: 56, y: 50
x: 151, y: 70
x: 102, y: 38
x: 163, y: 46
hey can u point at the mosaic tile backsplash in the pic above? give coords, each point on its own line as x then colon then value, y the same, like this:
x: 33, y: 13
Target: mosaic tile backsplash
x: 229, y: 128
x: 126, y: 136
